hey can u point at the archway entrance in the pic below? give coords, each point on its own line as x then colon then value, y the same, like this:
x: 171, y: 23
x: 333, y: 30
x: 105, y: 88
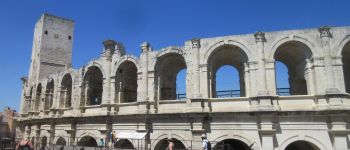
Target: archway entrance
x: 126, y: 82
x: 346, y: 66
x: 168, y: 66
x: 163, y: 144
x: 87, y: 141
x: 124, y: 144
x: 49, y: 95
x: 302, y: 145
x: 66, y: 92
x: 61, y: 141
x: 294, y: 55
x: 92, y: 87
x: 231, y: 144
x: 227, y: 55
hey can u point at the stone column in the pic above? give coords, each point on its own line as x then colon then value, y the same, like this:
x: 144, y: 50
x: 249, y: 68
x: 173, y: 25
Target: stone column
x: 24, y: 102
x: 326, y: 36
x: 195, y: 47
x: 267, y: 134
x: 109, y: 49
x: 339, y: 134
x: 260, y: 40
x: 145, y: 48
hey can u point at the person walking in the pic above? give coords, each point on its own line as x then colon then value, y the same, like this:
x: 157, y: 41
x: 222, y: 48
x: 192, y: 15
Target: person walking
x: 171, y: 145
x: 25, y: 144
x: 205, y: 143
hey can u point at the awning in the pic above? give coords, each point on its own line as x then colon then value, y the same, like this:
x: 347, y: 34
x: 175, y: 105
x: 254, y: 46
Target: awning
x: 130, y: 135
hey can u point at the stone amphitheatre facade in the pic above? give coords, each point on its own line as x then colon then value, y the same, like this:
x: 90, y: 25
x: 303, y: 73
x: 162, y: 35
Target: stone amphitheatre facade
x: 137, y: 96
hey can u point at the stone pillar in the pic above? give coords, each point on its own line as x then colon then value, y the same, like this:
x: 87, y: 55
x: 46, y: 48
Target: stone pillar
x: 109, y: 49
x: 339, y: 134
x: 145, y: 48
x: 326, y: 36
x: 24, y: 102
x: 262, y: 85
x: 195, y: 47
x: 267, y: 133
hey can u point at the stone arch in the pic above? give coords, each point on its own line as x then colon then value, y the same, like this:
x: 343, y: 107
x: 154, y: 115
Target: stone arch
x: 61, y: 141
x: 223, y: 55
x: 163, y: 143
x: 243, y: 138
x: 49, y: 92
x: 221, y: 43
x: 30, y: 98
x: 44, y: 141
x: 165, y: 76
x: 94, y: 64
x: 92, y: 86
x: 66, y: 91
x: 38, y: 97
x: 170, y: 50
x: 286, y: 39
x: 126, y: 81
x: 87, y: 141
x: 295, y: 55
x: 306, y: 138
x: 345, y: 53
x: 124, y: 144
x: 124, y: 58
x: 59, y: 134
x: 341, y: 45
x: 160, y: 138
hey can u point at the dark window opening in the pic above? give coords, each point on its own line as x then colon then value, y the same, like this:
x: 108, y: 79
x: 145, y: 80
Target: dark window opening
x: 46, y: 32
x: 69, y: 37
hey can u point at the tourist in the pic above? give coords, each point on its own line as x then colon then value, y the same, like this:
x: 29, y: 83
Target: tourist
x: 25, y: 144
x: 171, y: 145
x: 206, y: 144
x: 101, y: 143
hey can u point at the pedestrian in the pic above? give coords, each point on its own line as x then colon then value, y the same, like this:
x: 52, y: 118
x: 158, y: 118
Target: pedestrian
x: 25, y: 144
x: 171, y: 145
x: 205, y: 143
x: 101, y: 143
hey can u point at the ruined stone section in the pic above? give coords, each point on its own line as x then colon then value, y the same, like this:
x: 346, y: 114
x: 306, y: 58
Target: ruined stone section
x: 52, y: 46
x: 129, y: 94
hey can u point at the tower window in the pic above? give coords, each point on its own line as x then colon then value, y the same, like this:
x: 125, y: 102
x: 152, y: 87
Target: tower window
x: 46, y: 32
x: 69, y: 37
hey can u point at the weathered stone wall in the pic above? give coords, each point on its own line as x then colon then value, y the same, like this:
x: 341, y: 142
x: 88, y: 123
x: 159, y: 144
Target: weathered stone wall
x: 316, y: 112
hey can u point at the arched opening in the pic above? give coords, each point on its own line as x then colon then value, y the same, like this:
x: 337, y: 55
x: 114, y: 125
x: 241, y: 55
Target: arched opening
x: 87, y: 141
x: 38, y: 97
x: 227, y: 55
x: 282, y: 81
x: 92, y: 87
x: 126, y: 82
x: 302, y: 145
x: 346, y: 66
x: 227, y: 82
x: 66, y: 92
x: 61, y: 141
x: 181, y: 84
x: 49, y: 95
x: 43, y: 142
x: 163, y: 144
x: 231, y: 144
x: 167, y: 67
x: 124, y: 144
x: 294, y: 55
x: 30, y: 99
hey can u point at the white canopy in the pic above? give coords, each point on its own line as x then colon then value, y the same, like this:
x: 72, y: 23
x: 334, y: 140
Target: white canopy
x: 130, y: 135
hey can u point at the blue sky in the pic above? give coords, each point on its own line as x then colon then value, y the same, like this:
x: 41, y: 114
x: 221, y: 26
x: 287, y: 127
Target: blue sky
x: 161, y: 23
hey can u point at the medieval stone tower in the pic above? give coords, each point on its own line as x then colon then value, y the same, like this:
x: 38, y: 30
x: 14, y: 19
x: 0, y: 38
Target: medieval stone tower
x: 52, y: 47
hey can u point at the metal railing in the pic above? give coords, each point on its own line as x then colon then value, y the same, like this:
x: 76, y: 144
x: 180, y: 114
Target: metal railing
x: 228, y: 93
x: 283, y: 91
